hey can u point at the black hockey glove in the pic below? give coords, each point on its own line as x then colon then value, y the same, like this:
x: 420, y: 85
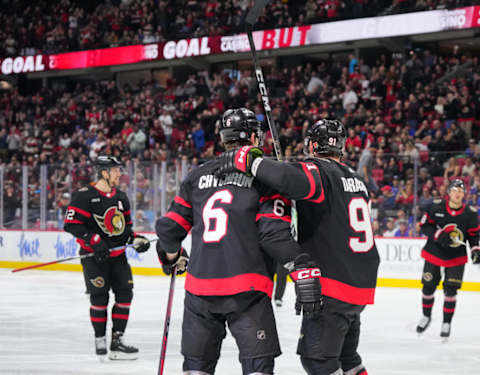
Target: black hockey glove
x: 476, y: 254
x: 442, y: 237
x: 181, y: 261
x: 100, y: 248
x: 239, y: 159
x: 140, y: 243
x: 306, y: 276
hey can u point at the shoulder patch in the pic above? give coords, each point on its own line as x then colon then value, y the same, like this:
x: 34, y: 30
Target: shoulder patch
x: 436, y: 201
x: 85, y: 188
x: 473, y: 209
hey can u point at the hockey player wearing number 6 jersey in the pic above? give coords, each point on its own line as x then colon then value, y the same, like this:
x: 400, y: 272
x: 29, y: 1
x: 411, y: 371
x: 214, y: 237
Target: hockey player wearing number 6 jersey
x: 334, y: 228
x: 99, y: 217
x: 238, y: 228
x: 448, y: 224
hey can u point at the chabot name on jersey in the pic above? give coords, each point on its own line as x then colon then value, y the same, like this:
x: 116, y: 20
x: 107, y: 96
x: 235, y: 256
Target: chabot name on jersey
x: 238, y: 179
x: 353, y: 185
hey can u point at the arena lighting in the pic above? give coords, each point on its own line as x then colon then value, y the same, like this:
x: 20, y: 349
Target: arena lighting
x: 322, y: 33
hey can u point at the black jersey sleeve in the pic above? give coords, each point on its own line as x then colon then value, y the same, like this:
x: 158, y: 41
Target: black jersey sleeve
x: 174, y: 226
x: 473, y: 228
x: 427, y: 223
x: 273, y: 222
x: 77, y: 215
x: 298, y: 180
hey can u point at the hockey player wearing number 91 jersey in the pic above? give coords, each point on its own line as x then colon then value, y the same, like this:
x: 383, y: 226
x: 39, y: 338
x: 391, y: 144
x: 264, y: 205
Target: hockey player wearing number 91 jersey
x: 239, y: 228
x: 448, y: 224
x: 334, y: 228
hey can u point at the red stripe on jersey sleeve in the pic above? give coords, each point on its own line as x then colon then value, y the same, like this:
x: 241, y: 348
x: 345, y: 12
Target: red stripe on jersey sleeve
x: 458, y: 261
x: 68, y: 221
x: 429, y: 218
x: 347, y: 293
x: 180, y: 220
x: 287, y: 201
x: 311, y: 181
x: 182, y: 201
x: 80, y: 211
x: 473, y: 231
x: 288, y: 219
x: 229, y: 285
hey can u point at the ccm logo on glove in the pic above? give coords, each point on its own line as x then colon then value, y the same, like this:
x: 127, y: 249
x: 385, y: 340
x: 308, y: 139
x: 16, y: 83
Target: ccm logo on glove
x: 306, y: 274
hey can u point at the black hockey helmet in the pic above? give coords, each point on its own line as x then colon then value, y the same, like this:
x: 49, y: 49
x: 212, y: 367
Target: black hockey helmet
x: 238, y: 125
x: 457, y: 183
x: 105, y: 162
x: 328, y: 137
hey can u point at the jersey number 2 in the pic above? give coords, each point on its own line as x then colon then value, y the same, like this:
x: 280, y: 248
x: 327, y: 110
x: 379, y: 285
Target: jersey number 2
x: 217, y: 214
x: 359, y: 217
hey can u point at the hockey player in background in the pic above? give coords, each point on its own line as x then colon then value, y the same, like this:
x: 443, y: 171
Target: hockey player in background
x: 239, y: 228
x: 448, y: 224
x: 334, y: 228
x: 99, y: 217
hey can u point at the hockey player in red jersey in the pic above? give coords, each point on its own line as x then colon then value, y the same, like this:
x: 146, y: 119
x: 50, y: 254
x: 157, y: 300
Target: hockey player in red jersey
x: 448, y: 224
x: 99, y: 217
x: 334, y: 228
x: 239, y: 228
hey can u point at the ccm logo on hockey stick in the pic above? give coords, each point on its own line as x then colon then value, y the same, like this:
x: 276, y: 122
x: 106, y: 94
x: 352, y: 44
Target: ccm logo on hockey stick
x: 306, y: 274
x: 263, y: 89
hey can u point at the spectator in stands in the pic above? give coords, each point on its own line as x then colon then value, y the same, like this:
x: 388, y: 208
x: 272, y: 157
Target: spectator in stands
x: 365, y: 165
x: 453, y: 169
x: 390, y: 229
x: 402, y: 230
x: 10, y: 205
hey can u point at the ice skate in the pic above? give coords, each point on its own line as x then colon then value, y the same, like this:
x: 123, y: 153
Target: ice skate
x: 101, y: 347
x: 119, y: 350
x: 445, y: 330
x: 423, y: 324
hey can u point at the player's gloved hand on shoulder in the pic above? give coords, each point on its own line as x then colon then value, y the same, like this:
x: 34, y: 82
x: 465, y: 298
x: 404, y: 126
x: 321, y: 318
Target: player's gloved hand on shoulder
x: 140, y: 243
x: 180, y: 261
x: 238, y: 159
x: 476, y: 254
x: 442, y: 236
x: 306, y: 276
x: 100, y: 248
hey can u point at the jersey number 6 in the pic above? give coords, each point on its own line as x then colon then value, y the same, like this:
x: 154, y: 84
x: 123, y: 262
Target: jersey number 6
x: 217, y: 214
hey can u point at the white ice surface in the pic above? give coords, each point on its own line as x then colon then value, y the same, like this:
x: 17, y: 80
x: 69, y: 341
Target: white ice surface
x: 45, y: 329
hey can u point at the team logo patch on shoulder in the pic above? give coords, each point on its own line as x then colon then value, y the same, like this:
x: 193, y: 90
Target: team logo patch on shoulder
x: 112, y: 222
x: 437, y: 201
x: 83, y: 189
x: 98, y: 282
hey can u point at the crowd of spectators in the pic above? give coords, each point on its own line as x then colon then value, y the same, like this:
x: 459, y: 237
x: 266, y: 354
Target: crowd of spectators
x: 31, y: 27
x: 403, y: 117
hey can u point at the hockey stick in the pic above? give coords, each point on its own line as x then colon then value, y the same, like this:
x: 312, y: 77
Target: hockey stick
x: 166, y: 325
x: 70, y: 258
x: 251, y: 19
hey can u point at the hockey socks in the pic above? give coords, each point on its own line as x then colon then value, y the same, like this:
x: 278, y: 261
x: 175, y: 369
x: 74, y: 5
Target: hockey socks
x: 120, y: 312
x: 98, y: 317
x: 427, y: 304
x: 449, y: 308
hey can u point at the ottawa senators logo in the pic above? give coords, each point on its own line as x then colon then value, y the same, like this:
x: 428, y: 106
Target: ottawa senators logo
x: 112, y: 222
x: 456, y: 235
x: 98, y: 282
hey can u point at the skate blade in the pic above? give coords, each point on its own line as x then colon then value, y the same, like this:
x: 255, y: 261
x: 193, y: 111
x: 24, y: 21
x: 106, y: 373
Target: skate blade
x: 102, y: 358
x: 120, y: 356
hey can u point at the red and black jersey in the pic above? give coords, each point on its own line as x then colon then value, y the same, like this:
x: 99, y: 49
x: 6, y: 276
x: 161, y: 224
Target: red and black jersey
x: 237, y: 225
x: 334, y: 224
x: 461, y: 225
x: 92, y: 211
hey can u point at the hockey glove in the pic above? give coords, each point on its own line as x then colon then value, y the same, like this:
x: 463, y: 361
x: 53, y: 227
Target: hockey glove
x: 100, y: 248
x: 180, y: 261
x: 239, y: 159
x: 476, y: 255
x: 306, y: 276
x: 442, y: 237
x: 140, y: 243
